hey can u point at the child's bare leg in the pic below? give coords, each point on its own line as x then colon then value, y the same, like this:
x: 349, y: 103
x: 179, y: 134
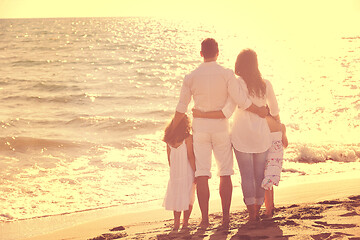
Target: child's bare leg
x: 187, y: 217
x: 284, y: 137
x: 275, y: 126
x: 269, y: 202
x: 176, y: 220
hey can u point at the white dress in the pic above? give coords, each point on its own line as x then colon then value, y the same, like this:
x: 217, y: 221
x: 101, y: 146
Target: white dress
x: 180, y: 191
x: 274, y: 161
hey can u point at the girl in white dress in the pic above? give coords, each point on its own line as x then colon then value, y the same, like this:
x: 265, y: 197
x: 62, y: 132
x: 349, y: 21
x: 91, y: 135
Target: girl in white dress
x: 180, y: 193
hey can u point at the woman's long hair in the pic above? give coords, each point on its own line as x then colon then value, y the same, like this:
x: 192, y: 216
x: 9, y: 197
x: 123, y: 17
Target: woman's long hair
x: 246, y: 66
x: 177, y: 134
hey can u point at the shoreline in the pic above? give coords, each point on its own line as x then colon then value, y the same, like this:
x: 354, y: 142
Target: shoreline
x: 141, y: 222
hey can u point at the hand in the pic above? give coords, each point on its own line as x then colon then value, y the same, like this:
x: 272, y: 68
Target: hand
x: 196, y: 113
x: 263, y: 111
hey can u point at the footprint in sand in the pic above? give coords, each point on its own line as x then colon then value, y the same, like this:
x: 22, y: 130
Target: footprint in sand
x: 109, y: 236
x: 119, y: 228
x: 288, y: 223
x: 336, y: 226
x: 321, y: 236
x: 349, y: 214
x: 311, y: 217
x: 333, y: 202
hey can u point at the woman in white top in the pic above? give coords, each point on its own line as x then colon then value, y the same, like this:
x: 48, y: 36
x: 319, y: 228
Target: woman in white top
x: 250, y: 134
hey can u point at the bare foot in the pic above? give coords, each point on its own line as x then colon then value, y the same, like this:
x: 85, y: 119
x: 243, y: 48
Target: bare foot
x: 269, y: 213
x: 225, y: 222
x: 204, y: 224
x: 176, y: 226
x: 253, y: 219
x: 185, y: 226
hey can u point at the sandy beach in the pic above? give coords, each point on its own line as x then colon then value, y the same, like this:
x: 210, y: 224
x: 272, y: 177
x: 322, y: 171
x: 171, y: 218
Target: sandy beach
x: 322, y: 210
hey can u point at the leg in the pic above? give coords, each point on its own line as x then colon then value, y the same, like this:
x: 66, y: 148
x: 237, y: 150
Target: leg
x: 176, y: 220
x: 269, y: 202
x: 224, y: 159
x: 226, y: 194
x: 246, y: 168
x: 203, y: 194
x: 203, y: 152
x: 257, y: 208
x: 251, y: 211
x: 284, y: 137
x: 259, y: 169
x: 187, y: 214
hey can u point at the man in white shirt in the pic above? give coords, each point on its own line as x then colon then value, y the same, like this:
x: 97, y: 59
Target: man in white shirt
x: 211, y: 85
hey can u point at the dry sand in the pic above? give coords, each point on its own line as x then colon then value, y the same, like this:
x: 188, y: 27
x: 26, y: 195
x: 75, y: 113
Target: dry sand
x: 324, y: 210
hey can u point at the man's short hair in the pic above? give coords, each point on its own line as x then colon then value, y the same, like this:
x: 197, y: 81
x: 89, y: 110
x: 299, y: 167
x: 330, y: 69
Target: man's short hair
x: 209, y: 48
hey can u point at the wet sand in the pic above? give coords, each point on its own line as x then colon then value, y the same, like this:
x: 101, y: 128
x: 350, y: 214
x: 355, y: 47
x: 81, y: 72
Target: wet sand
x: 332, y: 219
x: 323, y: 210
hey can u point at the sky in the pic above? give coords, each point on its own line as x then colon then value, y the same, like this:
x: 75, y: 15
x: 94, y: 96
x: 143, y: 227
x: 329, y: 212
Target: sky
x: 335, y: 10
x: 284, y: 15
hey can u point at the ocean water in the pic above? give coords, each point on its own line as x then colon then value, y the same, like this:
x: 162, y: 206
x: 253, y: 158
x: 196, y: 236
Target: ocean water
x: 84, y: 102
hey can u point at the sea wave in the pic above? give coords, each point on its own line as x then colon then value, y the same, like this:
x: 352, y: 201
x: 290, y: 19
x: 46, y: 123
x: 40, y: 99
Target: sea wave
x: 25, y: 144
x: 114, y: 123
x: 47, y: 87
x: 105, y: 126
x: 311, y: 153
x: 60, y: 94
x: 27, y: 63
x: 47, y: 99
x: 4, y: 82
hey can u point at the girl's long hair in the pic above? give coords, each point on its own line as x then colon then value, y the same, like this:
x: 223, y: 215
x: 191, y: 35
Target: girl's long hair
x: 246, y: 66
x: 178, y: 133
